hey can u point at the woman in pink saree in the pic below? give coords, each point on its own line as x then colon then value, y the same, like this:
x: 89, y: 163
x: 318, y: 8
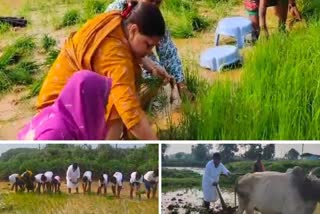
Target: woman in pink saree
x: 77, y: 114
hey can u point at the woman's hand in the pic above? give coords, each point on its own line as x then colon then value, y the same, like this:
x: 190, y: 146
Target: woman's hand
x: 156, y: 69
x: 184, y: 92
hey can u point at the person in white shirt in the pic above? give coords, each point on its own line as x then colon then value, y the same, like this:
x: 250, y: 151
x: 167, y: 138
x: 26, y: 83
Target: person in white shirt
x: 16, y: 182
x: 151, y: 182
x: 86, y: 181
x: 136, y: 180
x: 49, y: 176
x: 116, y: 181
x: 210, y: 180
x: 40, y: 180
x: 73, y: 177
x: 56, y: 183
x: 103, y: 183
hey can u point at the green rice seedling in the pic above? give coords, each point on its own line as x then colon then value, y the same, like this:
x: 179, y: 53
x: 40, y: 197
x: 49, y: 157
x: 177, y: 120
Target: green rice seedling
x: 277, y: 97
x: 179, y: 28
x: 93, y: 7
x: 31, y: 66
x: 13, y: 53
x: 51, y: 56
x: 4, y: 81
x: 19, y: 76
x: 48, y: 42
x: 189, y: 19
x: 4, y: 27
x: 309, y: 9
x: 70, y: 18
x: 36, y: 87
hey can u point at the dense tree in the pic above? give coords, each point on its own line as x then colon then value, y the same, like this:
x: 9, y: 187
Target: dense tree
x: 201, y: 151
x: 227, y: 151
x: 253, y: 151
x: 268, y: 152
x: 292, y: 154
x: 57, y: 158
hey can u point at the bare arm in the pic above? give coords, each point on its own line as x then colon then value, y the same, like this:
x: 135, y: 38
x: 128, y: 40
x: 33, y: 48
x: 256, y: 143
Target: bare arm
x: 143, y: 130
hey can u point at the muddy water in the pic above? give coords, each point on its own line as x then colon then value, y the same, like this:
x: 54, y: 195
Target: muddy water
x: 193, y: 169
x: 190, y: 201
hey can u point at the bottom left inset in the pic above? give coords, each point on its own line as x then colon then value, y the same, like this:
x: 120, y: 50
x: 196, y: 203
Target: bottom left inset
x: 88, y: 178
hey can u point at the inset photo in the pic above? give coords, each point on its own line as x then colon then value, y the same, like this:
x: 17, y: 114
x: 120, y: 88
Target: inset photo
x: 241, y: 178
x: 73, y: 179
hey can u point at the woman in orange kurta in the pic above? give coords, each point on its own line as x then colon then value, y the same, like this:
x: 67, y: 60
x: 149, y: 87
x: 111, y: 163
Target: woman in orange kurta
x: 112, y: 45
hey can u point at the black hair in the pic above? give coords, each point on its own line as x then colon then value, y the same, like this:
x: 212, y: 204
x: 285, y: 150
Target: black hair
x: 146, y: 16
x: 216, y: 156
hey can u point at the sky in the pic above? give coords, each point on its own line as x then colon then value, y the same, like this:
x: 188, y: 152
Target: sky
x: 6, y: 147
x: 281, y: 149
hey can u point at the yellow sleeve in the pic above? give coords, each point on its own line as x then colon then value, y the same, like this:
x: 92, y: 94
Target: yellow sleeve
x: 114, y: 60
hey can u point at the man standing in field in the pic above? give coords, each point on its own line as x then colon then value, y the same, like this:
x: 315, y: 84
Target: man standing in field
x: 151, y: 182
x: 116, y: 181
x: 86, y: 181
x: 73, y: 177
x: 210, y: 180
x: 136, y: 180
x: 103, y: 183
x: 41, y: 180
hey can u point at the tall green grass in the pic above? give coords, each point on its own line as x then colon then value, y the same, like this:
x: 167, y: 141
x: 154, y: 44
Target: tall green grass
x: 4, y: 27
x: 277, y: 98
x: 12, y: 53
x: 183, y: 18
x: 71, y: 17
x: 93, y: 7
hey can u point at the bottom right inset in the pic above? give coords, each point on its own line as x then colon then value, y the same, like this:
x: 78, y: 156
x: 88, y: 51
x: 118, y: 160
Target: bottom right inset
x: 241, y: 178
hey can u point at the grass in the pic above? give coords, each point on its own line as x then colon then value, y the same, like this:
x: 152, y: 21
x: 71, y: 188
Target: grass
x: 175, y: 179
x: 277, y: 97
x: 93, y: 7
x: 65, y: 203
x: 48, y: 42
x: 189, y: 18
x: 71, y: 17
x: 4, y: 27
x: 12, y: 53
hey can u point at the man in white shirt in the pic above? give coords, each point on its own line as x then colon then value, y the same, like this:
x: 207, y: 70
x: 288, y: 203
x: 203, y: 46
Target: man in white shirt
x: 136, y: 180
x: 40, y: 180
x: 210, y: 180
x: 49, y: 176
x: 73, y: 177
x: 86, y: 181
x: 151, y: 182
x: 16, y: 182
x: 116, y: 183
x: 103, y: 183
x: 56, y: 183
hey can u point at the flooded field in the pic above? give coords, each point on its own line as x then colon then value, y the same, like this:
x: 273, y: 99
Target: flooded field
x: 193, y: 169
x: 64, y: 203
x: 190, y: 201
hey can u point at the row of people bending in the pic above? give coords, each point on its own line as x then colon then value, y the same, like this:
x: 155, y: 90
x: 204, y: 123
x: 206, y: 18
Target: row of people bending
x: 50, y: 182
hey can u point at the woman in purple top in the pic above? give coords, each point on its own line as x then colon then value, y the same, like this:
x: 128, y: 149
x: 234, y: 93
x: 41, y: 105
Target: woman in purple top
x: 77, y: 114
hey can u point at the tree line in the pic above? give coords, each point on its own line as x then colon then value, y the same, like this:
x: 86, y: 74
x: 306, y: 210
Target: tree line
x: 201, y: 153
x: 57, y: 158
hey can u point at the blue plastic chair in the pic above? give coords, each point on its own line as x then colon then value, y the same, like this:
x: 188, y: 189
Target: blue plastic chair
x: 237, y: 27
x: 218, y: 57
